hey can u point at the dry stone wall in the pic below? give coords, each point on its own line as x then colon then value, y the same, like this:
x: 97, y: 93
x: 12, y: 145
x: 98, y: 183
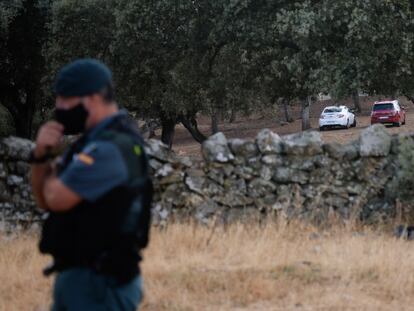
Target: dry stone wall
x: 295, y: 177
x: 17, y: 208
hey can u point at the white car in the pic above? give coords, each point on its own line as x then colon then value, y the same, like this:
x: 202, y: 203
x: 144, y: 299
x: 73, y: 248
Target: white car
x: 337, y: 116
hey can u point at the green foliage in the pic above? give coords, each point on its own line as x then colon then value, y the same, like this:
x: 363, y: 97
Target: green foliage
x: 8, y: 10
x: 367, y: 45
x: 151, y: 41
x: 78, y: 29
x: 181, y: 57
x: 174, y: 59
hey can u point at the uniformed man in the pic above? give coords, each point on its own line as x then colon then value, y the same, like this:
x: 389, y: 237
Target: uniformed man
x: 97, y: 196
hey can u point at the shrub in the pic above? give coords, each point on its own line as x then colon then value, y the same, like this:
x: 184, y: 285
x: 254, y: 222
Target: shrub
x: 7, y: 127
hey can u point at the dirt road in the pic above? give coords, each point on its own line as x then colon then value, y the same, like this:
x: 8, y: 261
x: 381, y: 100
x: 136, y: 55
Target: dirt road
x: 343, y: 136
x: 248, y: 127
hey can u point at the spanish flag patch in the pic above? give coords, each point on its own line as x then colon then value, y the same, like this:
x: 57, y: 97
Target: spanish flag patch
x: 85, y: 158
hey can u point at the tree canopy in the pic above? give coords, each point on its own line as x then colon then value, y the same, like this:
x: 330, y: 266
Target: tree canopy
x: 175, y: 59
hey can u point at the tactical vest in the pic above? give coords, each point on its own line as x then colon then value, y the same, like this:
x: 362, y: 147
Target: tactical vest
x: 106, y: 235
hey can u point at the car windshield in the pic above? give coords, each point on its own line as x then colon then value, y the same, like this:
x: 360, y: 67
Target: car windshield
x: 332, y: 110
x: 378, y: 107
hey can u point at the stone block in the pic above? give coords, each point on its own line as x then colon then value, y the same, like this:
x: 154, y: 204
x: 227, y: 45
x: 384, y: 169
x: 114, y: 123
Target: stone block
x: 216, y: 149
x: 307, y: 143
x: 243, y: 148
x: 286, y: 175
x: 375, y: 141
x: 269, y: 142
x: 17, y: 148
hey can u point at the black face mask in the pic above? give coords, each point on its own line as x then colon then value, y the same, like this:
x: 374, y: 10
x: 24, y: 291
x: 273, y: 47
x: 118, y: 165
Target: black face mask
x: 73, y: 120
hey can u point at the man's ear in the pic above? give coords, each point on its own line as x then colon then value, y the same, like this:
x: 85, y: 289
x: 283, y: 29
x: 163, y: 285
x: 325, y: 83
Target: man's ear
x: 89, y: 101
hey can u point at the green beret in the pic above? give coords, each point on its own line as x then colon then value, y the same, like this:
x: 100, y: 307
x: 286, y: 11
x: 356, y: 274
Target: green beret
x: 82, y: 77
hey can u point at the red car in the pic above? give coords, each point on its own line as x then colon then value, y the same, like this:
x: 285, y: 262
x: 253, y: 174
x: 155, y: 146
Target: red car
x: 388, y: 112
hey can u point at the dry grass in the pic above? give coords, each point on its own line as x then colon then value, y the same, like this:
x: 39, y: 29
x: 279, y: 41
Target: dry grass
x: 244, y: 267
x: 22, y: 286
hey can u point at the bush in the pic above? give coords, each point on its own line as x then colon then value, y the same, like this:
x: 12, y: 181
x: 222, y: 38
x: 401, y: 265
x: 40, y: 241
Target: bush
x: 7, y: 127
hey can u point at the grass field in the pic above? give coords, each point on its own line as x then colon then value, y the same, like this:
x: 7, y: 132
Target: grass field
x: 243, y: 267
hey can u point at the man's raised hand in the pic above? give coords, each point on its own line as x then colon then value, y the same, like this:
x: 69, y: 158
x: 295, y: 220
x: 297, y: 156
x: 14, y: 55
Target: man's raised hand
x: 48, y: 138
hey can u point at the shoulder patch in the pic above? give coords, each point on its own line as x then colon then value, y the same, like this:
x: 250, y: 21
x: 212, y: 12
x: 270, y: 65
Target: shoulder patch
x: 85, y: 158
x: 90, y: 148
x: 137, y: 150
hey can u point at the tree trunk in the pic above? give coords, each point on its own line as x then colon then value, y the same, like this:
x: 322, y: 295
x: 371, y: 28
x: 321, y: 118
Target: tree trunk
x: 306, y: 103
x: 168, y: 130
x: 27, y: 29
x: 214, y: 122
x: 149, y: 127
x: 190, y: 123
x: 233, y: 115
x: 151, y: 133
x: 31, y: 106
x: 152, y: 126
x: 410, y: 98
x: 355, y: 98
x: 288, y: 117
x: 22, y: 112
x: 24, y: 118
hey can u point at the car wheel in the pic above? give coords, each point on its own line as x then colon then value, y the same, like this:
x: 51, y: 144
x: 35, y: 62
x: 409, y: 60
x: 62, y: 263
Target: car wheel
x: 355, y: 123
x: 321, y: 128
x: 398, y: 124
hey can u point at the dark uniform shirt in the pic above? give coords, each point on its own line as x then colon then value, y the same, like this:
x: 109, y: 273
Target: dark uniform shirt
x: 98, y: 168
x: 94, y: 171
x: 107, y: 167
